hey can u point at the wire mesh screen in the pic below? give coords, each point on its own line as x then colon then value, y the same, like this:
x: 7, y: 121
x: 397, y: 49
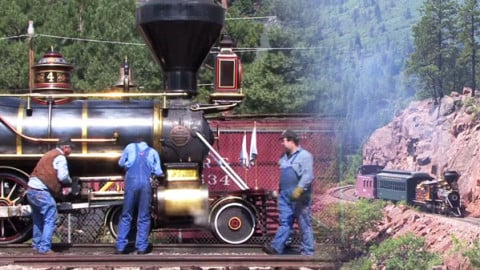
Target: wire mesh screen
x: 82, y: 226
x: 232, y: 139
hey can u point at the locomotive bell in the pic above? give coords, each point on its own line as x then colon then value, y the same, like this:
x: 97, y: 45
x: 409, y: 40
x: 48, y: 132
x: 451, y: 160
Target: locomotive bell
x: 125, y: 80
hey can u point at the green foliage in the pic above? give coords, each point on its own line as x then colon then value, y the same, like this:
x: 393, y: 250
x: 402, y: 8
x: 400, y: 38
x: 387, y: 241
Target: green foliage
x: 352, y: 163
x: 281, y: 81
x: 340, y: 58
x: 247, y: 33
x: 344, y: 224
x: 471, y: 250
x: 471, y: 107
x: 469, y: 25
x: 93, y: 36
x: 406, y: 252
x: 446, y: 45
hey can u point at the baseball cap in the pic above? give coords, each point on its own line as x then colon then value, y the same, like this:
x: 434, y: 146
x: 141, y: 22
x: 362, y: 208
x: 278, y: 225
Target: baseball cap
x: 289, y: 134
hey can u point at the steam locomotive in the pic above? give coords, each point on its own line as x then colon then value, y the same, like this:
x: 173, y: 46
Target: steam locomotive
x: 180, y: 34
x: 415, y: 188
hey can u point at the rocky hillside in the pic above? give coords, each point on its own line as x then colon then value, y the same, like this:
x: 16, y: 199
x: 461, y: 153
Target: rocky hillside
x: 438, y: 231
x: 433, y: 138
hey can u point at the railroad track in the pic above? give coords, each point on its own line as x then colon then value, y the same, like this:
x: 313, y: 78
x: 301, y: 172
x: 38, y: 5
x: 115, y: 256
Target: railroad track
x: 105, y: 248
x: 470, y: 220
x: 343, y: 193
x: 184, y: 256
x: 156, y: 260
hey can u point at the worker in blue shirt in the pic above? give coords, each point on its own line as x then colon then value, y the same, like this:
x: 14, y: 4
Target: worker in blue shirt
x: 295, y: 196
x: 46, y: 183
x: 140, y: 162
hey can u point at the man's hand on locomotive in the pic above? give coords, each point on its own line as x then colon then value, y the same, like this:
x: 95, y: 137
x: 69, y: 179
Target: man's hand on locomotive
x: 76, y: 187
x: 72, y: 187
x: 297, y: 193
x: 156, y: 180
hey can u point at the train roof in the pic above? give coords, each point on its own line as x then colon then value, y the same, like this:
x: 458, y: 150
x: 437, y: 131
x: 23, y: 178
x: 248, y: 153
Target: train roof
x: 404, y: 174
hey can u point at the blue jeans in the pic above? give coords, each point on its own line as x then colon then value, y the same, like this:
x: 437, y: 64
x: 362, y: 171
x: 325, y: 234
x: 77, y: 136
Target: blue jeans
x: 44, y: 216
x: 137, y: 199
x: 289, y: 211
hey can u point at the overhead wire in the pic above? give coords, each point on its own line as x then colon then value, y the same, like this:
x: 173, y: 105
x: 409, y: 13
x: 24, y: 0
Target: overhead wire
x: 215, y: 49
x: 93, y: 40
x: 251, y: 18
x: 13, y: 37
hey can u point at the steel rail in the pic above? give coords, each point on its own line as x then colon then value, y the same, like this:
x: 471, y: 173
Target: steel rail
x: 182, y: 260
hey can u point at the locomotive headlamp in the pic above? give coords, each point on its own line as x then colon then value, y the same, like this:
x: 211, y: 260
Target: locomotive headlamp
x: 228, y: 76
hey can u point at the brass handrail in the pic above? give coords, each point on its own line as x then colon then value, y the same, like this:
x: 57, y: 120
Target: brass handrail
x: 96, y: 95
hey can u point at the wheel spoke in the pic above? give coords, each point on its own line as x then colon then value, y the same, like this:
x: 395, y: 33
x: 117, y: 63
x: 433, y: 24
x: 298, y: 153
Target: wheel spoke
x: 2, y: 189
x: 14, y: 201
x: 12, y: 225
x: 2, y: 228
x: 13, y: 229
x: 11, y: 193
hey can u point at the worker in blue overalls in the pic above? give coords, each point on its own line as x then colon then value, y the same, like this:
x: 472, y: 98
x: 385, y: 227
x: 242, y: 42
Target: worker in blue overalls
x: 140, y: 162
x: 295, y: 196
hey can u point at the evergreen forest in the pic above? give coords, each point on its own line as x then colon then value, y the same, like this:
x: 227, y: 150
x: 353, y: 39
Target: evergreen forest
x: 358, y: 60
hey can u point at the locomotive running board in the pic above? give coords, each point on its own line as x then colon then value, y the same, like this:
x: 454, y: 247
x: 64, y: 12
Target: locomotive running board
x: 224, y: 165
x: 65, y: 207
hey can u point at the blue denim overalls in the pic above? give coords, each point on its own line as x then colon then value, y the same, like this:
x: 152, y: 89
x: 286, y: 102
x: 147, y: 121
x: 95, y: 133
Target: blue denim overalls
x: 138, y: 195
x: 290, y: 209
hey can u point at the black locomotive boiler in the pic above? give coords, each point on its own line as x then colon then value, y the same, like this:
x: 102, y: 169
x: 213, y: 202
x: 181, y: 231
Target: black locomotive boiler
x: 180, y: 34
x: 415, y: 188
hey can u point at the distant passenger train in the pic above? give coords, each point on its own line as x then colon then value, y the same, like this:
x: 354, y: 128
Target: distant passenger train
x: 416, y: 188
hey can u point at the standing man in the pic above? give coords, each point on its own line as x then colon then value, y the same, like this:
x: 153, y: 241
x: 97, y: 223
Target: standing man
x: 295, y: 196
x: 45, y: 184
x: 140, y: 162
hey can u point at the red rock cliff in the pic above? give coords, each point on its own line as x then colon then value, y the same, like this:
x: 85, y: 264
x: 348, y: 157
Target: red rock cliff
x: 433, y: 138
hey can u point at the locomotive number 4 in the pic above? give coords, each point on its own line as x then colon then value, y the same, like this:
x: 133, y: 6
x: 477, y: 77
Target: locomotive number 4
x: 51, y: 77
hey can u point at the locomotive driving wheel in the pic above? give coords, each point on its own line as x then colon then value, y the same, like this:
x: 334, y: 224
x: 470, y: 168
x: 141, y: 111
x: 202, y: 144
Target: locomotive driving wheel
x: 13, y: 229
x: 112, y: 219
x: 233, y: 222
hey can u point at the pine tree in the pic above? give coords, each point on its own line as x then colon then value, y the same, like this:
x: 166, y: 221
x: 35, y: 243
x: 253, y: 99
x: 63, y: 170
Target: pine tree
x: 93, y: 36
x: 469, y: 24
x: 436, y: 49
